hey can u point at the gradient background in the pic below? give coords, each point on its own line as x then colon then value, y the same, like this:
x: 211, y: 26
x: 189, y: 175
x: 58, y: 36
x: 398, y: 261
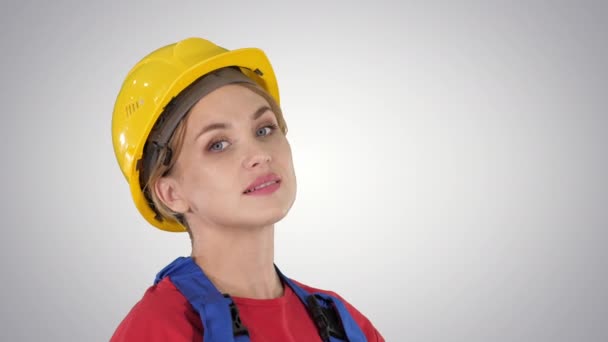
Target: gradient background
x: 451, y: 162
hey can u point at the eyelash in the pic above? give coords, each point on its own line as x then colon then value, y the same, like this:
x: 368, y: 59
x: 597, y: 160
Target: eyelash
x: 273, y: 127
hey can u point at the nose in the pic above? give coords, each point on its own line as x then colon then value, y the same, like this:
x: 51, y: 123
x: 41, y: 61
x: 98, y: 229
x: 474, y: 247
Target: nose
x: 256, y: 157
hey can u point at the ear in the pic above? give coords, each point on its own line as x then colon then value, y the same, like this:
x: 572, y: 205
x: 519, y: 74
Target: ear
x: 168, y: 190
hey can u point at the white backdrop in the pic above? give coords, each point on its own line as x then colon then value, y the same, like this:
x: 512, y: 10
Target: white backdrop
x: 451, y: 162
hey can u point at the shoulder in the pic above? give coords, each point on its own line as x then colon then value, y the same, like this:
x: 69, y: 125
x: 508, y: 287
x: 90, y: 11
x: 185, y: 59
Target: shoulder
x: 363, y: 322
x: 162, y: 314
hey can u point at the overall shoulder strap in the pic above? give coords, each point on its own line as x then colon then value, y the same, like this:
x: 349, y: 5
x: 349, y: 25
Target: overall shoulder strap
x: 219, y: 315
x: 323, y: 309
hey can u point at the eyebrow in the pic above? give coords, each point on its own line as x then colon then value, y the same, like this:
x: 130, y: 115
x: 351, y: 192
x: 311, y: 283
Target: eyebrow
x: 221, y: 125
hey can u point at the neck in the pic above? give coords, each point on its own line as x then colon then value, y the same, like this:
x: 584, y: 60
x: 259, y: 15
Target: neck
x: 239, y: 262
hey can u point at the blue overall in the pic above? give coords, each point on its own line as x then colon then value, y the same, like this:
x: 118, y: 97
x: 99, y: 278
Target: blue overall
x: 220, y: 316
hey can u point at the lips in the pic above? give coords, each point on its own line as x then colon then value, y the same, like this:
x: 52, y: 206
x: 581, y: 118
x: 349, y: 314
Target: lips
x: 262, y: 182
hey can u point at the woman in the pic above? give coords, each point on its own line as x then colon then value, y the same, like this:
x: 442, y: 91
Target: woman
x: 199, y: 135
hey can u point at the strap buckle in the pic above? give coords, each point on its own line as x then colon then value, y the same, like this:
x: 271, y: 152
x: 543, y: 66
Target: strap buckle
x: 326, y: 319
x: 238, y: 328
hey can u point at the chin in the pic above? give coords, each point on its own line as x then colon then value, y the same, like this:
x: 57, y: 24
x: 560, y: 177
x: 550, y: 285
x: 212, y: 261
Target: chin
x: 270, y: 214
x: 269, y: 210
x: 268, y: 217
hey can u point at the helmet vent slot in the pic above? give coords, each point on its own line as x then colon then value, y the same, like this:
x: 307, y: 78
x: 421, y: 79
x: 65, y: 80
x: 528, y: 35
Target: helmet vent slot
x: 131, y: 108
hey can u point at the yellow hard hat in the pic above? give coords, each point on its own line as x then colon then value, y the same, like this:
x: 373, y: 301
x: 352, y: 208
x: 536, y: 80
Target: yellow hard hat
x: 153, y: 82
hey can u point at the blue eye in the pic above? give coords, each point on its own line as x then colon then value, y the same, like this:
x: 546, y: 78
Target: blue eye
x: 218, y: 145
x: 269, y: 129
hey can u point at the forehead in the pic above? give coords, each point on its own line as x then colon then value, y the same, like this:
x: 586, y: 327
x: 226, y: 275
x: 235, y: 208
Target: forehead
x: 230, y: 102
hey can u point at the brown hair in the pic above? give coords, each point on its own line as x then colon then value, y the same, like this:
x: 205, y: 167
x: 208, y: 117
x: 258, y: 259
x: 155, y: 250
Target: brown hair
x: 162, y: 167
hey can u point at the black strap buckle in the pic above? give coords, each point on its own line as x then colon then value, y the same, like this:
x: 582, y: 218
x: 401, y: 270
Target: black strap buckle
x: 238, y: 328
x: 326, y: 319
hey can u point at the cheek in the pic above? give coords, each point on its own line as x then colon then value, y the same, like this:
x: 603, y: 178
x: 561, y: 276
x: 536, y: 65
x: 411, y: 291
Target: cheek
x: 193, y: 176
x: 211, y: 178
x: 285, y: 152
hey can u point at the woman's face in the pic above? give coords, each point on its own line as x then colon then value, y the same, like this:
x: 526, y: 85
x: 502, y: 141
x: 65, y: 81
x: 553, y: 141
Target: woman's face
x: 232, y: 138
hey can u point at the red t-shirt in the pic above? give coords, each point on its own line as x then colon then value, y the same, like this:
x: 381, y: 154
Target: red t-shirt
x: 164, y: 314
